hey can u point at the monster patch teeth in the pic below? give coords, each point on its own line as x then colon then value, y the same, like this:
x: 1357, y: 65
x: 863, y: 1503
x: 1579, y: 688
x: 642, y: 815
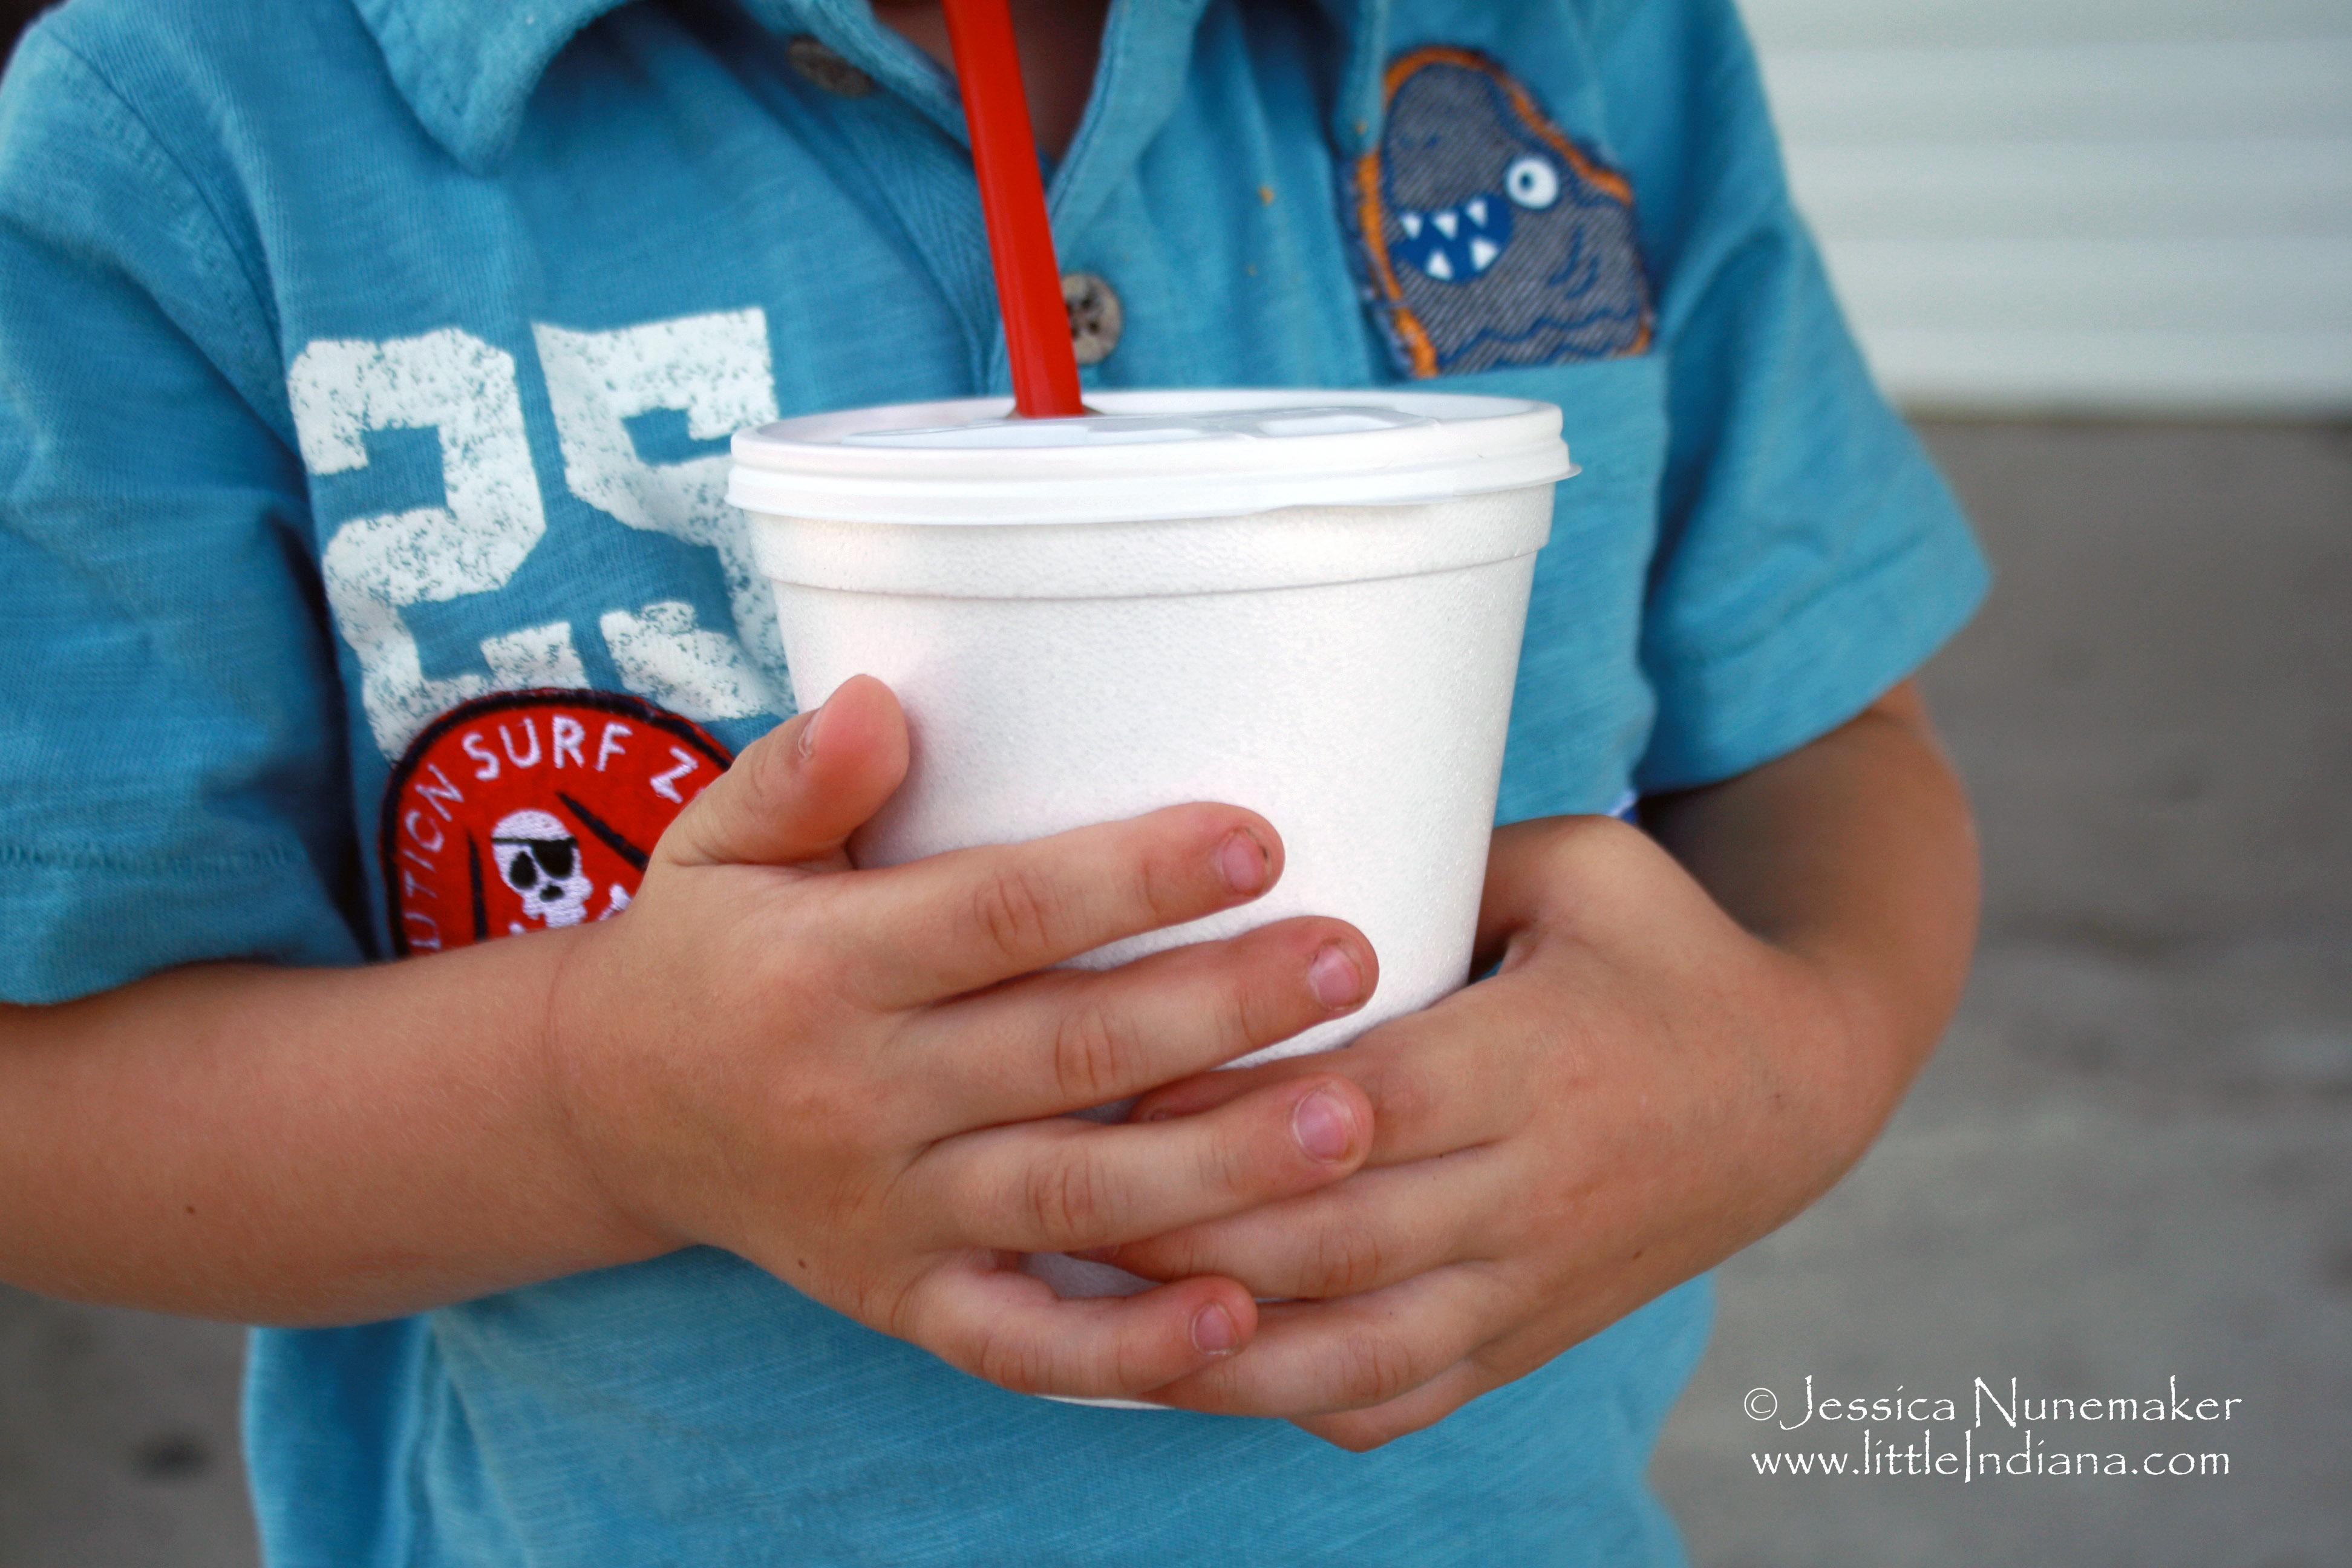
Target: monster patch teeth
x: 1455, y: 243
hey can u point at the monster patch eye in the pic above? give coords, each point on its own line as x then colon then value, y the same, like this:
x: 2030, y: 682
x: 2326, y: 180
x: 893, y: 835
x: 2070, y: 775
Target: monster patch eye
x: 555, y: 860
x: 1531, y: 181
x: 521, y: 873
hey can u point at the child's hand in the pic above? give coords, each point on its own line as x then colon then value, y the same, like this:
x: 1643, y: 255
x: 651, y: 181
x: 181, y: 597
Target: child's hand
x: 1633, y: 1098
x: 1641, y: 1090
x: 838, y: 1074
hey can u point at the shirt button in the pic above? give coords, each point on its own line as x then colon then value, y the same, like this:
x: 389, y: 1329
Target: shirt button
x: 1095, y: 317
x: 818, y: 63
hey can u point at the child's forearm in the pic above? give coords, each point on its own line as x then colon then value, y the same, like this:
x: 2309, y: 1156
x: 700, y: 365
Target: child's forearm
x: 1857, y: 853
x: 297, y: 1146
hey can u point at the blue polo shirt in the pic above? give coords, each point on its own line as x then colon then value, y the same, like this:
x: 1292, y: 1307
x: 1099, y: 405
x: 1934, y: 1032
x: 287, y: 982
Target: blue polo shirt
x: 364, y: 367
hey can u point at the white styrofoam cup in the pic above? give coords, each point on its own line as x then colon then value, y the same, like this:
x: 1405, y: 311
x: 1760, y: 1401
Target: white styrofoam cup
x: 1304, y: 603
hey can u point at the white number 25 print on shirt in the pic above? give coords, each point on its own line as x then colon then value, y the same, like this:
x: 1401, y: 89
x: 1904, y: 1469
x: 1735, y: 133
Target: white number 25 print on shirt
x: 713, y: 368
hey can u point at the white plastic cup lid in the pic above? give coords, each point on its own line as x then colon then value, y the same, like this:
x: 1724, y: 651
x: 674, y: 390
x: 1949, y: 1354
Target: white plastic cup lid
x: 1146, y: 456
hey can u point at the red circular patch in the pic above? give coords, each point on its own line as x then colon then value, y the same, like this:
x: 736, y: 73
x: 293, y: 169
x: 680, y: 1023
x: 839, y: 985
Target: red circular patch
x: 524, y: 810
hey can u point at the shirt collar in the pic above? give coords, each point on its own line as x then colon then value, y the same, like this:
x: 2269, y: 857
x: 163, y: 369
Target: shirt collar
x: 467, y: 68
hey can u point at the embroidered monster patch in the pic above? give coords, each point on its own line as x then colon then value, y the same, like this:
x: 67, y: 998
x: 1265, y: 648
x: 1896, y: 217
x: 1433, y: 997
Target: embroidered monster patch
x: 1489, y: 238
x: 525, y: 810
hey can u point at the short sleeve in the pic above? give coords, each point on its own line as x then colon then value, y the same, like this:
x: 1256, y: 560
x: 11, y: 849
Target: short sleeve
x: 172, y: 773
x: 1809, y: 555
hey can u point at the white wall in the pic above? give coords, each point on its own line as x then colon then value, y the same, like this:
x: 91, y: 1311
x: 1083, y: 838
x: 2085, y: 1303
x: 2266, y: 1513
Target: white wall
x: 2080, y: 205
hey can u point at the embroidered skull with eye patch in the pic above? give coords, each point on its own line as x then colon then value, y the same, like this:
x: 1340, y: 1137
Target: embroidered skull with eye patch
x: 539, y: 858
x: 1492, y: 239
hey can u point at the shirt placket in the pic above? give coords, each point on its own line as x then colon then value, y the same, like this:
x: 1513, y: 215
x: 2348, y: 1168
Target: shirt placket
x: 913, y: 146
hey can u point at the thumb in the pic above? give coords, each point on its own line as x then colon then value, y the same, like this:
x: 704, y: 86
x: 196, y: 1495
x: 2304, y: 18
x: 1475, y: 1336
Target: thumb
x: 797, y: 792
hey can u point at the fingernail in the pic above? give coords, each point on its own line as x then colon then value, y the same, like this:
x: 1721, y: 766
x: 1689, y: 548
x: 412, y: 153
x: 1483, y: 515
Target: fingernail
x: 1334, y: 977
x: 1323, y: 1127
x: 1243, y: 861
x: 1213, y: 1332
x: 809, y: 730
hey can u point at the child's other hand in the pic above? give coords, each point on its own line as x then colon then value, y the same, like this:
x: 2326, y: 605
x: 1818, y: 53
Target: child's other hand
x: 841, y: 1074
x: 1643, y: 1088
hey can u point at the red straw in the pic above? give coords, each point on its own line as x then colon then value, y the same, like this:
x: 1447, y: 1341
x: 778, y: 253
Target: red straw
x: 1012, y: 198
